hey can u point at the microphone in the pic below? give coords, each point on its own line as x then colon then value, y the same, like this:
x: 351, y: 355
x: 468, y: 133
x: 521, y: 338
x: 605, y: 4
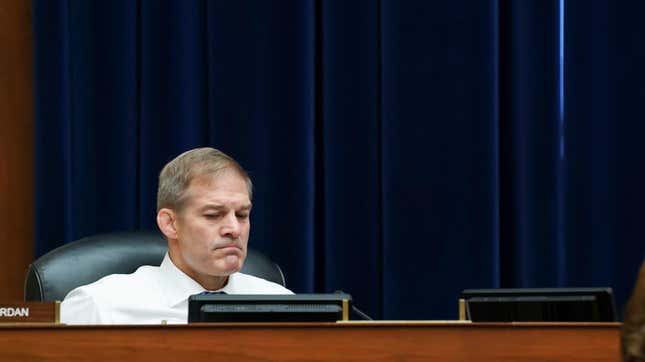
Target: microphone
x: 361, y: 314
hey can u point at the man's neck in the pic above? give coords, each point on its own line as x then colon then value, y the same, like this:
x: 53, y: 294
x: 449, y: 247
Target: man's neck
x: 212, y: 283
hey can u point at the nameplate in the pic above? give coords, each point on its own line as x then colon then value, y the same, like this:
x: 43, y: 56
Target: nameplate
x: 30, y: 312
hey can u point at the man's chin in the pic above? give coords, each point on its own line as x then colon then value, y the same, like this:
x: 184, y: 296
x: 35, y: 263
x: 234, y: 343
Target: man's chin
x: 230, y: 265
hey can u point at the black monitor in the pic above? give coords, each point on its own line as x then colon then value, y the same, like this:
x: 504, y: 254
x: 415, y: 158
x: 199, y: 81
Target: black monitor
x: 539, y: 305
x: 269, y: 308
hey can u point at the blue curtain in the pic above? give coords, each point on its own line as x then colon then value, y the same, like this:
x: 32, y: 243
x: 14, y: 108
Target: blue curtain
x: 401, y: 150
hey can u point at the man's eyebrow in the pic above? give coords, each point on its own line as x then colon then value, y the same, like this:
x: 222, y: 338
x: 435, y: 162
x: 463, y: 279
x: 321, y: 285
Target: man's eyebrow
x: 212, y: 206
x: 223, y: 207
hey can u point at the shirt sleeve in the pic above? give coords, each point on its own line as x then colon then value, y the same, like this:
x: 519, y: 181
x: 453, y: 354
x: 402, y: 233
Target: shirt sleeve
x: 79, y: 307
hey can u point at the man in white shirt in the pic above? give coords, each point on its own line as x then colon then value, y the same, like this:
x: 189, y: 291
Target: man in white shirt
x: 203, y: 208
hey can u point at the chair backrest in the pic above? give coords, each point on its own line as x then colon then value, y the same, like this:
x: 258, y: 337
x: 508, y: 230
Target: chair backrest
x: 87, y: 260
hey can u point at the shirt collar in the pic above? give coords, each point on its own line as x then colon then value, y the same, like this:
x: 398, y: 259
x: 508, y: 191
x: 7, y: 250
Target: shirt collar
x: 177, y: 286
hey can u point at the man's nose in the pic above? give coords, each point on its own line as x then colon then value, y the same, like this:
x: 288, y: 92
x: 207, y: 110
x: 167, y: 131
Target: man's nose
x: 231, y: 226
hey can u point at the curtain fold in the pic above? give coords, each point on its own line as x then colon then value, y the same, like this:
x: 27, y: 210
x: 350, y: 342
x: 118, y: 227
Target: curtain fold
x: 400, y: 151
x: 530, y: 156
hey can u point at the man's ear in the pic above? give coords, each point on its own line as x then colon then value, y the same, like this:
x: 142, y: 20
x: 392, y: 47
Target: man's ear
x: 166, y: 221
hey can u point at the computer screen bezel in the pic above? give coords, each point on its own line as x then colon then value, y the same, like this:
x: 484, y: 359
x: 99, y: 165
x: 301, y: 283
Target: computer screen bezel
x: 196, y: 313
x: 508, y: 298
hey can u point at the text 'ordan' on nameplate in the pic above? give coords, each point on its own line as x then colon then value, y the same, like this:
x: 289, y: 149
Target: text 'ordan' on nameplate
x: 30, y: 312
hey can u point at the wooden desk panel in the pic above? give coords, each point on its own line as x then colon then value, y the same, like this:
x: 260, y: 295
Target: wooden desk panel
x: 373, y: 341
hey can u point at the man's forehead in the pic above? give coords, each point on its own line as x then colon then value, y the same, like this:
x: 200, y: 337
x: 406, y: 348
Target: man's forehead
x: 225, y: 177
x: 219, y: 190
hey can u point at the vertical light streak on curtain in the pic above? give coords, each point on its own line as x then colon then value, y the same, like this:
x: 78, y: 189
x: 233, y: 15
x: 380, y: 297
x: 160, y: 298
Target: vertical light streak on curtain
x: 560, y: 212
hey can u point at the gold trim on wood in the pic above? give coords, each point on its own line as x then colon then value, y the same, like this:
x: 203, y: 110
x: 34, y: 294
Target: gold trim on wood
x: 462, y: 309
x: 345, y: 310
x: 57, y: 312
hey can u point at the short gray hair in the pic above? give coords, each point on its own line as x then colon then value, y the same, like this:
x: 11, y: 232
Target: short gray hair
x: 176, y: 176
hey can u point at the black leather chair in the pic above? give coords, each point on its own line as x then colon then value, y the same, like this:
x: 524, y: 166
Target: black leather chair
x: 87, y: 260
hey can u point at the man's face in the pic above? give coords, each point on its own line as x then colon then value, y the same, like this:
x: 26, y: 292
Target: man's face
x: 213, y: 227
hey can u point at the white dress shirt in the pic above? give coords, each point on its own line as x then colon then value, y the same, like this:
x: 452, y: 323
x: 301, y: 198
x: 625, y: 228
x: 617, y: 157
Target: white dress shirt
x: 150, y: 295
